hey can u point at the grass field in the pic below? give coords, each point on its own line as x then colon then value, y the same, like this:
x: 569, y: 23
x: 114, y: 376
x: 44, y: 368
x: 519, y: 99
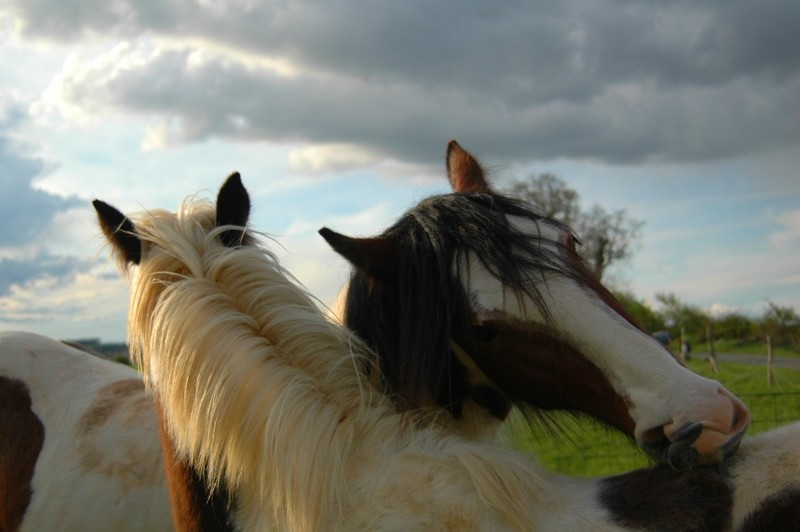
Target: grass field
x: 750, y: 348
x: 582, y: 447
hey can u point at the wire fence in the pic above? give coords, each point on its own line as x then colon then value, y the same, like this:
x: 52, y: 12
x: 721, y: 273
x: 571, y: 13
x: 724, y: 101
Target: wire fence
x: 599, y: 451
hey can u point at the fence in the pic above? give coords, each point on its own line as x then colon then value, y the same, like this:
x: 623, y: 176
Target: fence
x: 581, y: 447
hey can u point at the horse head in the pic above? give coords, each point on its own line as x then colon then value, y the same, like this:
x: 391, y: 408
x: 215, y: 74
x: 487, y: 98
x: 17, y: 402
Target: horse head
x: 473, y: 298
x: 233, y: 209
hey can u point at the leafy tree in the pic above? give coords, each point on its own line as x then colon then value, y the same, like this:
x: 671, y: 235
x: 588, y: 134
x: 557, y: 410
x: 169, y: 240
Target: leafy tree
x: 675, y: 312
x: 691, y: 323
x: 782, y: 324
x: 734, y: 326
x: 641, y: 312
x: 606, y: 237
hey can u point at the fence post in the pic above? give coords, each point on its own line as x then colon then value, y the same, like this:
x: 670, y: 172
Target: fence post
x: 769, y: 362
x: 712, y: 355
x: 682, y: 350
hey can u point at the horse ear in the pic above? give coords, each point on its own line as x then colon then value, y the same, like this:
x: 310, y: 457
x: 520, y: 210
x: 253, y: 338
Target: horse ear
x: 464, y: 171
x: 119, y: 231
x: 233, y: 208
x: 372, y: 256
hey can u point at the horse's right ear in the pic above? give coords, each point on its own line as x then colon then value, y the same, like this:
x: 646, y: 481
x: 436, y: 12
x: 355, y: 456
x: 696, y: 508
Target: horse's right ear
x: 372, y: 256
x: 119, y: 231
x: 464, y: 171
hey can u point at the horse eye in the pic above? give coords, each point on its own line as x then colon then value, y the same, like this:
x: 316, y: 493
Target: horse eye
x: 482, y: 333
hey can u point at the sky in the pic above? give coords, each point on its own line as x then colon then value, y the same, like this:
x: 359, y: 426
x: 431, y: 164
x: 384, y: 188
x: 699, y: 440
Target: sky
x: 337, y: 113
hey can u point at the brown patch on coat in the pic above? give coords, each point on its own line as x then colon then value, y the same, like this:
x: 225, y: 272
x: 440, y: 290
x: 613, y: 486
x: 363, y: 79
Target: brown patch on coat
x: 193, y: 508
x: 126, y: 404
x: 565, y: 378
x: 21, y: 440
x: 778, y: 512
x: 126, y: 397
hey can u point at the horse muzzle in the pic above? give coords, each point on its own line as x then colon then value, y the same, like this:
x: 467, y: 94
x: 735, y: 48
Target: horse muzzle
x: 684, y: 443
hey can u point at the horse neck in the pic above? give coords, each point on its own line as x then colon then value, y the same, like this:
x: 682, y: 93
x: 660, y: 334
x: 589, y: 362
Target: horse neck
x: 195, y: 505
x: 240, y: 355
x: 263, y: 395
x: 474, y: 423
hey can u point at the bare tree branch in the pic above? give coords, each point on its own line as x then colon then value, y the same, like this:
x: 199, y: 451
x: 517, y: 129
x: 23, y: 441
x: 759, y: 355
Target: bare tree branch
x: 606, y: 237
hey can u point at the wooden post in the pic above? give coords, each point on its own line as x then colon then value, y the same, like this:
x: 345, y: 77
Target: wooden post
x: 712, y: 354
x: 682, y: 349
x: 769, y: 362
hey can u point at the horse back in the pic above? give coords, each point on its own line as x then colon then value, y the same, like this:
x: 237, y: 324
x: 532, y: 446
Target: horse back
x: 79, y: 441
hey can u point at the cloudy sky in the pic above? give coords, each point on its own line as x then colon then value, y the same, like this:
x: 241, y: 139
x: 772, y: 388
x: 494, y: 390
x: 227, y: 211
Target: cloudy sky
x: 338, y: 112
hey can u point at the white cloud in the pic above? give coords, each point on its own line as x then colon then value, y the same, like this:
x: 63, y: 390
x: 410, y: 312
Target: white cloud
x: 326, y: 158
x: 718, y: 310
x: 306, y: 254
x: 790, y: 234
x: 89, y: 304
x: 736, y: 279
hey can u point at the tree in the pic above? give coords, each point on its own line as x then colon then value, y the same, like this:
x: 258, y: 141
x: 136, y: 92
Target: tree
x: 675, y: 312
x: 782, y: 324
x: 692, y: 323
x: 551, y: 195
x: 605, y: 237
x: 641, y: 312
x: 734, y: 326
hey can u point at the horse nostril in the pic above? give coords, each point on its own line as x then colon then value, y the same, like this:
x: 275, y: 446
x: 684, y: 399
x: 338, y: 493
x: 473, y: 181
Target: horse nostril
x: 688, y: 433
x: 654, y: 435
x: 655, y: 443
x: 682, y: 456
x: 740, y: 417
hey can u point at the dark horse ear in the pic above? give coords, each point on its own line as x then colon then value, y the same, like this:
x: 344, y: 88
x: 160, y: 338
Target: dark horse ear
x: 464, y: 171
x: 372, y: 256
x: 233, y: 208
x: 120, y: 231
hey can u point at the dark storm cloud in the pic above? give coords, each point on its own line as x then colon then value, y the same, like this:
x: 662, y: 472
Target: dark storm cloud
x: 43, y: 264
x: 24, y: 210
x: 25, y: 213
x: 604, y: 79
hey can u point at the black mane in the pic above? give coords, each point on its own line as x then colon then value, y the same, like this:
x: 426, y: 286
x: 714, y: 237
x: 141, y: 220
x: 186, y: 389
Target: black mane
x: 410, y: 317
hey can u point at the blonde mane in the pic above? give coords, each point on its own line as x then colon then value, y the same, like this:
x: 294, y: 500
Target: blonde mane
x: 262, y: 393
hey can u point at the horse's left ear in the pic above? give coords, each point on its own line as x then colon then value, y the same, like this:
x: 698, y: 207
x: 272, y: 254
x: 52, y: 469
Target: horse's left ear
x: 233, y: 208
x: 372, y: 256
x: 464, y: 171
x: 119, y: 231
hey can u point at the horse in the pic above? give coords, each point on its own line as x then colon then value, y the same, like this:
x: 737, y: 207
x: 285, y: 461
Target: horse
x: 268, y: 403
x: 24, y: 357
x: 79, y: 446
x: 498, y: 310
x: 48, y: 386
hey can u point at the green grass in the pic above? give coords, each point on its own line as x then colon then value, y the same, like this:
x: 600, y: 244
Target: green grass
x: 748, y: 378
x: 750, y: 348
x: 581, y: 447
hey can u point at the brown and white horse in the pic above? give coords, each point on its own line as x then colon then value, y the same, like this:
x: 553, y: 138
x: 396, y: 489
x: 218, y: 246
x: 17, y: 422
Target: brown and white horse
x: 498, y: 310
x: 29, y: 400
x: 263, y: 396
x: 48, y: 386
x: 79, y: 445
